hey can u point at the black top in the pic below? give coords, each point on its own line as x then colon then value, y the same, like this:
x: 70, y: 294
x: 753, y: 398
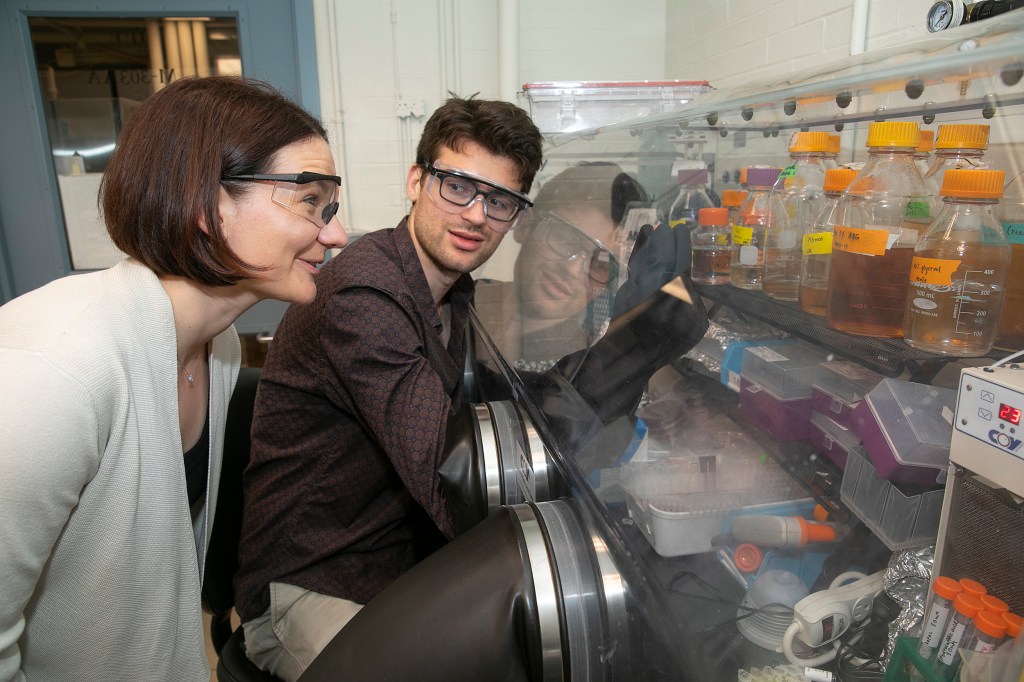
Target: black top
x: 197, y: 465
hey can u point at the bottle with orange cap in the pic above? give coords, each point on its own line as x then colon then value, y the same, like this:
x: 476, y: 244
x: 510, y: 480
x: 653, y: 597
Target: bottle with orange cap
x: 923, y: 154
x: 711, y: 247
x: 959, y: 268
x: 958, y: 145
x: 732, y: 199
x: 834, y: 147
x: 816, y: 243
x: 881, y: 214
x: 799, y: 187
x: 746, y: 262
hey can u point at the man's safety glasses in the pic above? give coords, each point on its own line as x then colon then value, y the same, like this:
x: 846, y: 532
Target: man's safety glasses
x: 460, y: 189
x: 314, y: 196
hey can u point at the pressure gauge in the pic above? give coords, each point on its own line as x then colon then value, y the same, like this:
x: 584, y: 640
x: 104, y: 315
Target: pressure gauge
x: 945, y: 14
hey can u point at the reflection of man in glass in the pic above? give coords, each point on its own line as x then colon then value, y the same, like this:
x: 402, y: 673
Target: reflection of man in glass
x: 566, y: 270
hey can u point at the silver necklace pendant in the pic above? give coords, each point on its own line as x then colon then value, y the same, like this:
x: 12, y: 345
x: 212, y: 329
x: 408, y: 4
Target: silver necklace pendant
x: 188, y: 377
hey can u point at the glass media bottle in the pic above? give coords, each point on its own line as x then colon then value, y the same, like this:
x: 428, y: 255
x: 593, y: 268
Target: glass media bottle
x: 732, y: 199
x: 923, y: 155
x: 799, y: 187
x: 879, y: 219
x: 746, y: 260
x: 834, y: 146
x: 816, y: 243
x: 711, y: 247
x: 958, y: 145
x: 691, y: 197
x: 959, y: 267
x: 1011, y: 214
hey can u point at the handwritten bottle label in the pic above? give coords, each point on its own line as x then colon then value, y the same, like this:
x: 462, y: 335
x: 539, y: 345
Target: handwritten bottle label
x: 817, y: 243
x: 860, y: 240
x: 1014, y: 232
x: 742, y: 235
x: 917, y: 210
x: 938, y: 271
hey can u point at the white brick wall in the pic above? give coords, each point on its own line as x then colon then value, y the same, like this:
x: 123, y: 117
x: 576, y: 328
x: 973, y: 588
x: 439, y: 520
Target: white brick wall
x: 381, y: 56
x: 730, y: 42
x: 416, y: 50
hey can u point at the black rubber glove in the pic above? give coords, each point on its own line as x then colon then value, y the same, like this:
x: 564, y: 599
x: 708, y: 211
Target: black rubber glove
x: 461, y: 471
x: 658, y: 256
x: 658, y: 318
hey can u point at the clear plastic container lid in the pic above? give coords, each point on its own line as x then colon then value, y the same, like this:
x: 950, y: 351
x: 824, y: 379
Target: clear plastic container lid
x: 915, y: 420
x: 785, y: 371
x: 846, y: 438
x: 847, y: 381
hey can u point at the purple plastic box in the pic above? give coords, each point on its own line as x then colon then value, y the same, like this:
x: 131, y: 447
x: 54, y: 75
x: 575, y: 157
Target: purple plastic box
x: 905, y: 433
x: 785, y: 420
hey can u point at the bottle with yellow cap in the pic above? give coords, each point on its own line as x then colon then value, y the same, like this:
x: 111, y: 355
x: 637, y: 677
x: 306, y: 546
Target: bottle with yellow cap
x: 879, y: 219
x: 923, y: 155
x: 1010, y: 212
x: 816, y: 243
x: 799, y: 187
x: 958, y: 145
x: 959, y: 268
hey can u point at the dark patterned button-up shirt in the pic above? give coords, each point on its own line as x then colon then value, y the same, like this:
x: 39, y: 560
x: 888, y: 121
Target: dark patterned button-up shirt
x: 349, y: 428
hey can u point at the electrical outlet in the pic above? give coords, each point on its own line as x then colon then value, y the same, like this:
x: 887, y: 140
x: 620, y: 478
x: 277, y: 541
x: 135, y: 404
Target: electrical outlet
x: 405, y: 108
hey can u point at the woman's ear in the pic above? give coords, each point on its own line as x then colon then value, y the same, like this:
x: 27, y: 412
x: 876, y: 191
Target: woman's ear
x: 225, y: 207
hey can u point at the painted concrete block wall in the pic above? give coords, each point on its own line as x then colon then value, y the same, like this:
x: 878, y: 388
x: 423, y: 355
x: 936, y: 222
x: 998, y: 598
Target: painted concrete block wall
x: 411, y: 53
x: 731, y: 42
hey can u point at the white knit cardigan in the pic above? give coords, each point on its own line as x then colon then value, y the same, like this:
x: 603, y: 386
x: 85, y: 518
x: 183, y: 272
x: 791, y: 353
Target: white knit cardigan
x: 100, y: 563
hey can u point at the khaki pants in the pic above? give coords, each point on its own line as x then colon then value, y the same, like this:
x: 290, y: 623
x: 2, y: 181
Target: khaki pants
x: 295, y: 629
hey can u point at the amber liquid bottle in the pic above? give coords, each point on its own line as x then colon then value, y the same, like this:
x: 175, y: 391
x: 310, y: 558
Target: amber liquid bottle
x: 959, y: 269
x: 817, y: 244
x: 880, y: 217
x: 1011, y: 214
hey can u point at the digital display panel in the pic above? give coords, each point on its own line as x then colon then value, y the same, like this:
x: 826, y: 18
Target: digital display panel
x: 1009, y: 413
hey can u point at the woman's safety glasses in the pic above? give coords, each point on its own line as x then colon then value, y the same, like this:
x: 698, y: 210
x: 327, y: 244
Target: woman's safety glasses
x: 314, y: 196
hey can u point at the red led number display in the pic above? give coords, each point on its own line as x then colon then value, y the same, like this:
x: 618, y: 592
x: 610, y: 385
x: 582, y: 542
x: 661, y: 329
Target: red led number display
x: 1009, y: 413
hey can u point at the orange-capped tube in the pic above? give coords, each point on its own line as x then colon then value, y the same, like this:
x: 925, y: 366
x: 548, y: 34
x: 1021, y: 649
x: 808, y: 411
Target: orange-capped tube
x: 957, y: 632
x: 1013, y: 624
x: 973, y: 587
x: 747, y: 557
x: 994, y: 603
x: 937, y: 612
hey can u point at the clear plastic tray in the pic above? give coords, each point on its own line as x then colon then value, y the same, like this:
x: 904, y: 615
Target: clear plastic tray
x: 682, y: 504
x: 567, y: 106
x: 900, y: 520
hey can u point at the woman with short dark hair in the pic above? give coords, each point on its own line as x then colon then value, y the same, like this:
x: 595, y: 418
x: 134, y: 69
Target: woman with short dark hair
x: 221, y: 193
